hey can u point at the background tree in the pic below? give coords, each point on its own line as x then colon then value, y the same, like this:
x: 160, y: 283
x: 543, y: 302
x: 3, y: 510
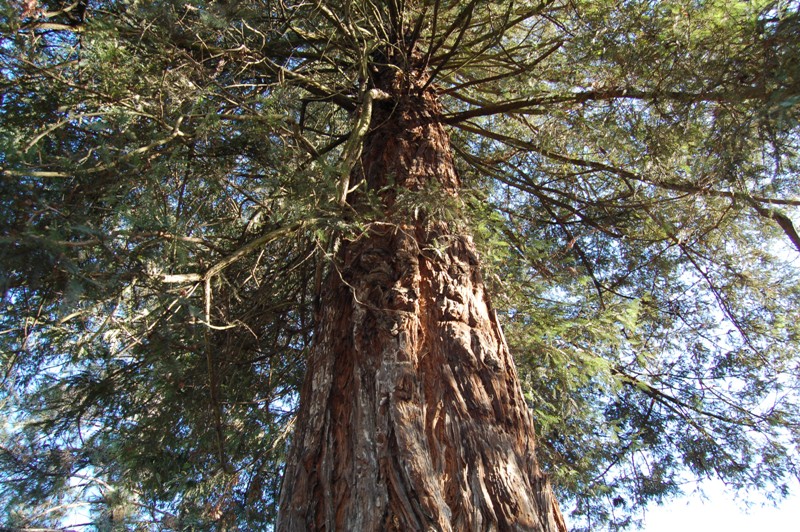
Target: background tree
x: 172, y: 186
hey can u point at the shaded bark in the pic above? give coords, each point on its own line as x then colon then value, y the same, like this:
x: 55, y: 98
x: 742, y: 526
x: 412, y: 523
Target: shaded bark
x: 411, y: 416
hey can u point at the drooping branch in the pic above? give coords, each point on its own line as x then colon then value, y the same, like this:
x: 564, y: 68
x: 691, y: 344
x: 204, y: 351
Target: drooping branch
x: 666, y: 399
x: 753, y: 200
x: 780, y: 218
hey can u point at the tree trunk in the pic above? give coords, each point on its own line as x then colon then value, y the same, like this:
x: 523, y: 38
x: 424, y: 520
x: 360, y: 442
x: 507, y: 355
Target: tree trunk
x: 411, y: 415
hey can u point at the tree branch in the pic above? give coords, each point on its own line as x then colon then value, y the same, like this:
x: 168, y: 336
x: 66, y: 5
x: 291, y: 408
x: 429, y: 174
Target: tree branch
x: 233, y: 257
x: 781, y: 219
x: 528, y: 105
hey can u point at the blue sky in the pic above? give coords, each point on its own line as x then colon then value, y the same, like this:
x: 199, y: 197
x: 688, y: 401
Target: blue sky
x: 720, y: 512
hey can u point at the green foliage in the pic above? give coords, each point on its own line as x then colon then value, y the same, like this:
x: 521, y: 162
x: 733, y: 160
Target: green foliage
x: 168, y: 205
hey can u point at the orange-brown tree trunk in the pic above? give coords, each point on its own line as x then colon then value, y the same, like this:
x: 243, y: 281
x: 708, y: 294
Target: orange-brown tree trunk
x: 411, y: 415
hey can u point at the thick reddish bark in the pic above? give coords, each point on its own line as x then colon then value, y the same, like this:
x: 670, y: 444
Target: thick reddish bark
x: 411, y: 415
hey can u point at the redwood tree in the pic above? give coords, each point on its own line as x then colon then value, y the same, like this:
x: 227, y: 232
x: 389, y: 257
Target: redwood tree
x: 258, y: 251
x: 411, y: 416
